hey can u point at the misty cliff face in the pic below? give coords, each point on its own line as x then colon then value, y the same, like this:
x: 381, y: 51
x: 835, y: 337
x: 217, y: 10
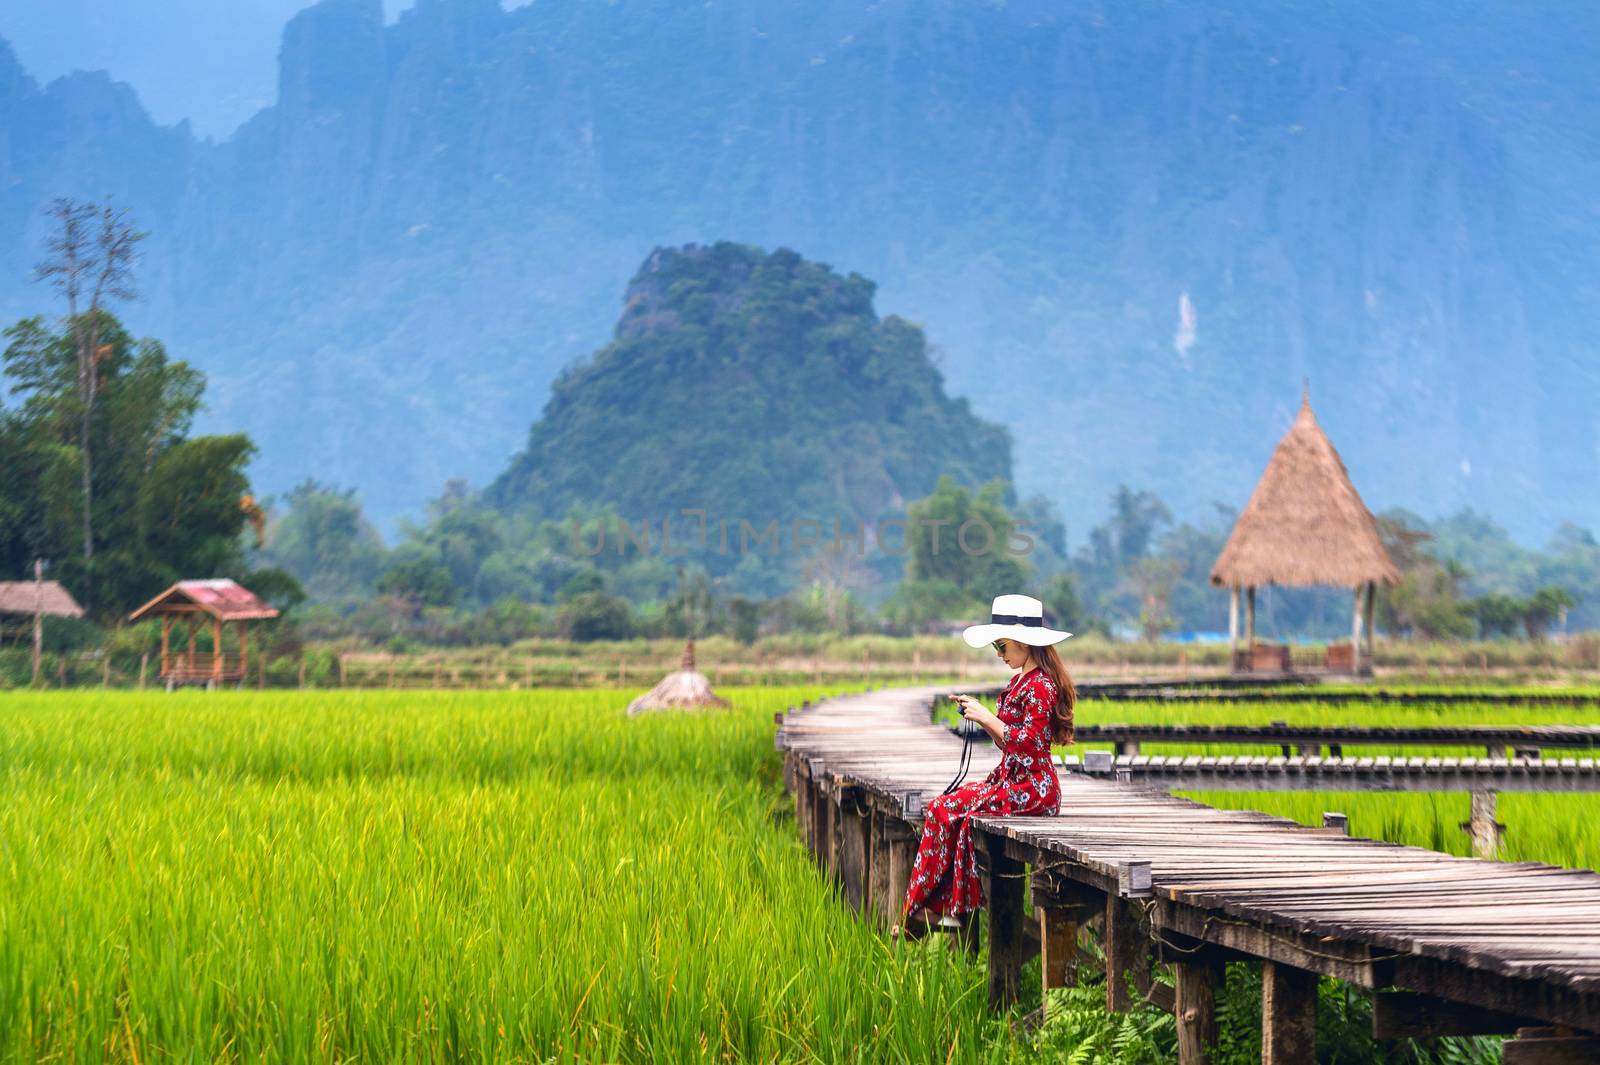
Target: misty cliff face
x: 1128, y: 233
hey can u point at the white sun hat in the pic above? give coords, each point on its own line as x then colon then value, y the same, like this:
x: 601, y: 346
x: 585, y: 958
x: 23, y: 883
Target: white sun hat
x: 1015, y: 617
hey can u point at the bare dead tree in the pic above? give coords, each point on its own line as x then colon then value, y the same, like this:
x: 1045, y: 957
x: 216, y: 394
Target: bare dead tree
x: 91, y: 259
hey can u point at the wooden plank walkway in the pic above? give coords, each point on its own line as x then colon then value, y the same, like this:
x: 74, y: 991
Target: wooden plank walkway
x: 1309, y: 739
x: 1272, y: 692
x: 1229, y: 772
x: 1449, y: 945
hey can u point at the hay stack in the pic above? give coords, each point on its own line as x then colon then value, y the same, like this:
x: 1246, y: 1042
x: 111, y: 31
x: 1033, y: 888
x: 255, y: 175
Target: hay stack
x: 683, y: 689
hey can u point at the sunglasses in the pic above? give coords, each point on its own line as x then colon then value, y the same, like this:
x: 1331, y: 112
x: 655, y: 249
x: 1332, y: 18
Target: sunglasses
x: 999, y: 645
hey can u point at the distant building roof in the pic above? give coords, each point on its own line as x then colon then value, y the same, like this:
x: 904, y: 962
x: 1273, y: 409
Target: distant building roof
x: 1305, y: 522
x: 222, y: 598
x: 44, y: 597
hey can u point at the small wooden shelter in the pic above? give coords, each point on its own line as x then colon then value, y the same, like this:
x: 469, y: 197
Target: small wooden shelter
x: 42, y: 599
x: 221, y: 603
x: 1305, y: 524
x: 683, y: 689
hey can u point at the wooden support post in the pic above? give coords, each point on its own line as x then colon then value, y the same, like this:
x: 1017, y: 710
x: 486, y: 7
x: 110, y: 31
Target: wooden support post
x: 38, y: 619
x: 802, y: 801
x: 1005, y: 889
x: 166, y: 638
x: 1288, y: 1014
x: 1197, y: 980
x: 1127, y: 748
x: 216, y: 651
x: 1372, y: 606
x: 244, y: 652
x: 1484, y: 829
x: 821, y: 819
x: 854, y: 848
x: 881, y: 904
x: 1233, y: 626
x: 1250, y: 626
x: 831, y: 810
x: 1355, y: 631
x: 1127, y: 951
x: 144, y: 666
x: 902, y: 857
x: 1058, y: 947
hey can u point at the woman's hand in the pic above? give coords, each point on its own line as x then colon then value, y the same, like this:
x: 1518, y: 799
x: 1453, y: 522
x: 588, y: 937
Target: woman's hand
x: 974, y: 711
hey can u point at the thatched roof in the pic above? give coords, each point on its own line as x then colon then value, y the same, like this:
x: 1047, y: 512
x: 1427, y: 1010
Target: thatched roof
x: 1305, y: 523
x: 45, y: 597
x: 682, y: 689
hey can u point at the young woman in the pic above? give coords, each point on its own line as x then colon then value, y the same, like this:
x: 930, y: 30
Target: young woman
x: 1034, y: 711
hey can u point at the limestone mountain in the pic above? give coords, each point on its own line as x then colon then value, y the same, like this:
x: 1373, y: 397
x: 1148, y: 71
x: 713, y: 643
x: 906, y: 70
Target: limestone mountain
x: 756, y: 386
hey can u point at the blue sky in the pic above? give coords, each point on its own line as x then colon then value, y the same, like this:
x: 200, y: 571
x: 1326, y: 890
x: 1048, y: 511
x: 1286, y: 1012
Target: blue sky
x: 213, y: 62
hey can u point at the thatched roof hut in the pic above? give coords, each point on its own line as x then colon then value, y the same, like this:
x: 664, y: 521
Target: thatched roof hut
x: 1305, y: 524
x: 47, y: 598
x: 41, y: 598
x: 683, y: 689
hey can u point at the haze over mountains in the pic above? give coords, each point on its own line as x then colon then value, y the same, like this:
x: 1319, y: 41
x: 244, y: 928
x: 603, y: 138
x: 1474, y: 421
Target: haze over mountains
x: 1129, y: 230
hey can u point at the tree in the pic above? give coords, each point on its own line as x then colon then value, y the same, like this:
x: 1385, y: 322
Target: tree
x: 746, y: 615
x: 690, y: 608
x: 964, y: 539
x: 170, y: 505
x: 1152, y: 581
x: 1063, y: 604
x: 1135, y: 517
x: 1544, y: 608
x: 1497, y: 614
x: 917, y: 604
x: 91, y: 257
x: 419, y: 578
x: 325, y: 541
x: 595, y: 616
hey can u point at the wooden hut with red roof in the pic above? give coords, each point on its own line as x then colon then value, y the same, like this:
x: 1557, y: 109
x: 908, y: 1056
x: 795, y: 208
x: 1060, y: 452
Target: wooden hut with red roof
x: 219, y: 603
x: 1305, y: 524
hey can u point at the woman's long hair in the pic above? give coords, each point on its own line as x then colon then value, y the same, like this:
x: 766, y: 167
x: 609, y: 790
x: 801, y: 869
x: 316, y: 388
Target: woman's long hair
x: 1061, y: 729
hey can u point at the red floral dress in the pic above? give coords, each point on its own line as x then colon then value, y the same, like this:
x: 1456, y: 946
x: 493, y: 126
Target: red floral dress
x: 945, y: 876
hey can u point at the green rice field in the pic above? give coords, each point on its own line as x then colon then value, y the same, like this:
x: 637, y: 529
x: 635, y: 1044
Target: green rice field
x: 506, y: 876
x: 463, y: 876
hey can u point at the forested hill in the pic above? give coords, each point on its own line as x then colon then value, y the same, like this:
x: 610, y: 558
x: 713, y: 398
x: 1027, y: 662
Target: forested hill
x: 1150, y: 220
x: 751, y: 385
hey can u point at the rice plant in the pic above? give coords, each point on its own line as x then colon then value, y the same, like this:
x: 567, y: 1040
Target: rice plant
x: 429, y: 877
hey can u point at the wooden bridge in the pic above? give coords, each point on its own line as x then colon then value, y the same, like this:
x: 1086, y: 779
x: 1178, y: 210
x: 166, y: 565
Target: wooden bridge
x: 1268, y: 690
x: 1310, y: 773
x: 1447, y: 945
x: 1521, y: 740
